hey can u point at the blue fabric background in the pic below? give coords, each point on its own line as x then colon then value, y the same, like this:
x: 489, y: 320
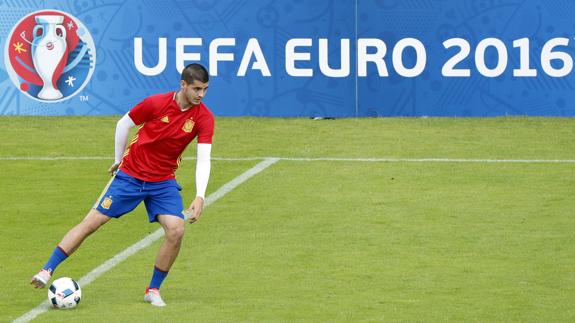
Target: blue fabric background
x: 116, y: 84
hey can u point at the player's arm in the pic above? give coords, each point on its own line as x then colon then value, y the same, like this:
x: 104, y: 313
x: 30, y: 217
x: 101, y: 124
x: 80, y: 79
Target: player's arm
x: 121, y: 139
x: 203, y: 167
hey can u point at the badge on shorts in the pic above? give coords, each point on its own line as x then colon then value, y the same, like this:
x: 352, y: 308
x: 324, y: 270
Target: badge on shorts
x: 189, y: 125
x: 106, y: 202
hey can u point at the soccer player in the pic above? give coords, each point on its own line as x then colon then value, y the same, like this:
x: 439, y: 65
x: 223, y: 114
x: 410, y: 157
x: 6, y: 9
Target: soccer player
x: 145, y: 171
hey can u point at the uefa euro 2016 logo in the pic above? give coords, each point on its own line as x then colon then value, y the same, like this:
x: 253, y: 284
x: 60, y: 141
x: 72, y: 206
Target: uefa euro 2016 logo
x: 50, y: 55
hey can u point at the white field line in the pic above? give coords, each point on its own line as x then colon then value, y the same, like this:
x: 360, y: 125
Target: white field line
x: 149, y: 239
x: 311, y: 159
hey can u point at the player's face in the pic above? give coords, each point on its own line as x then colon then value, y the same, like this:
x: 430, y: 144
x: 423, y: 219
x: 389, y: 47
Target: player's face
x: 195, y: 92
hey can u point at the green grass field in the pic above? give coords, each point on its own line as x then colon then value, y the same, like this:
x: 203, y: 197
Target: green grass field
x: 307, y: 239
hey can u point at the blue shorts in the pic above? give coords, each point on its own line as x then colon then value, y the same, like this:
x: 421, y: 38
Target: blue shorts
x: 126, y: 192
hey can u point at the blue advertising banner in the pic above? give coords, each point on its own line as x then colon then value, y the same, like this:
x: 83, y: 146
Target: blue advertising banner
x: 292, y: 58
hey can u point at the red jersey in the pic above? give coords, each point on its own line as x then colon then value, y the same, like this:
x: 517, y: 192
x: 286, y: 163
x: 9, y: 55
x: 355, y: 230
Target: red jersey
x: 155, y: 152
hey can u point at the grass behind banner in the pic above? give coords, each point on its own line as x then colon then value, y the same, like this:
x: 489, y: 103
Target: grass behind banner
x: 312, y: 241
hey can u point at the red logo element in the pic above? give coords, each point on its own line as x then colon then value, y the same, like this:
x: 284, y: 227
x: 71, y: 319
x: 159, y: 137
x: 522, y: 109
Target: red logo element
x: 50, y: 55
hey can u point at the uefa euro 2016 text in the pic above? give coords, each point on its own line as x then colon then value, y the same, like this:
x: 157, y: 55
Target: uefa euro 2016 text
x: 369, y: 51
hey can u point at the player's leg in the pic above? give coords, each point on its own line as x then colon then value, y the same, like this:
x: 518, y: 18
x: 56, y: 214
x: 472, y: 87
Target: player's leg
x: 165, y: 200
x: 174, y: 231
x: 122, y: 194
x: 74, y: 238
x: 71, y: 241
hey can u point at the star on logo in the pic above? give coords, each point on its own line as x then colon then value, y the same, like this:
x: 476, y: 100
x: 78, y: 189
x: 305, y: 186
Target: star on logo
x: 70, y: 81
x: 70, y: 25
x: 18, y: 47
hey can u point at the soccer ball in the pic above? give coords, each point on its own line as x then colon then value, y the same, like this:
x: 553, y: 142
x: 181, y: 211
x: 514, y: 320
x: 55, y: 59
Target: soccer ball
x: 64, y: 293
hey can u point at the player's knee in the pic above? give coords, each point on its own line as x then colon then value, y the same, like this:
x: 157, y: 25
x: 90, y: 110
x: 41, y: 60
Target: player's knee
x: 175, y: 233
x: 93, y: 221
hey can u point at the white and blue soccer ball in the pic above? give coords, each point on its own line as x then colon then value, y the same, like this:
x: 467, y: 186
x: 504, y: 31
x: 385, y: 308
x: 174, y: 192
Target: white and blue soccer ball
x: 64, y: 293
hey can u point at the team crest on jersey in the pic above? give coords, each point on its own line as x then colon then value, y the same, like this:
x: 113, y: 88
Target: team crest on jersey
x: 106, y: 203
x: 188, y: 125
x: 165, y: 119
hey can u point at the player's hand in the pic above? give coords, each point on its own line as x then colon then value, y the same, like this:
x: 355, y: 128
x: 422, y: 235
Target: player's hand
x: 195, y: 209
x: 113, y: 169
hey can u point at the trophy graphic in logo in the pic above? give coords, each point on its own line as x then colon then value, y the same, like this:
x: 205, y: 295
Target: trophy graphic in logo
x: 50, y: 55
x: 48, y: 51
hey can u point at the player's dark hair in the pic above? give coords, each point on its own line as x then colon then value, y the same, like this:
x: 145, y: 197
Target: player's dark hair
x: 195, y: 72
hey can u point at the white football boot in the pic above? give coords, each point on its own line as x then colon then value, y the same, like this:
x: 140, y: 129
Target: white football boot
x: 153, y: 297
x: 41, y: 278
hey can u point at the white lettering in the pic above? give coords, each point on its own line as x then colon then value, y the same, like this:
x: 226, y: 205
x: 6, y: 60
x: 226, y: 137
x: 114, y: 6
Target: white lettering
x: 420, y: 61
x: 501, y: 57
x: 548, y: 54
x: 363, y: 57
x: 216, y: 56
x: 139, y: 60
x: 524, y: 69
x: 292, y: 56
x: 182, y: 56
x: 449, y: 69
x: 253, y: 49
x: 324, y: 67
